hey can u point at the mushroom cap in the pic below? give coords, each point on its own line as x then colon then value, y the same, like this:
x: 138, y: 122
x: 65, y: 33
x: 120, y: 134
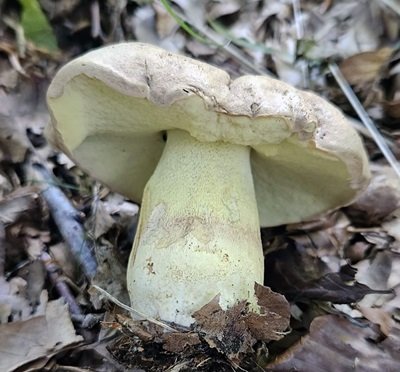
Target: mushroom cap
x: 111, y: 107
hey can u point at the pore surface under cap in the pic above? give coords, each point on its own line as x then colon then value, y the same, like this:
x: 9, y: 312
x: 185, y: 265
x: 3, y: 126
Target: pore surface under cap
x: 111, y: 107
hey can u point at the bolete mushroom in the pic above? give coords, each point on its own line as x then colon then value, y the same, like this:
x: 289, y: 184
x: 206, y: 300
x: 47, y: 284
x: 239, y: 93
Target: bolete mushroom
x: 209, y: 158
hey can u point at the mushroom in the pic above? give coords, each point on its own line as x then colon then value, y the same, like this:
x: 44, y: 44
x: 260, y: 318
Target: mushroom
x: 209, y: 158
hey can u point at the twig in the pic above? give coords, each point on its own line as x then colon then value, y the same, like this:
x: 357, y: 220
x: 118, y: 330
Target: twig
x: 66, y: 218
x: 62, y: 288
x: 365, y: 132
x: 55, y: 276
x: 132, y: 311
x: 354, y: 101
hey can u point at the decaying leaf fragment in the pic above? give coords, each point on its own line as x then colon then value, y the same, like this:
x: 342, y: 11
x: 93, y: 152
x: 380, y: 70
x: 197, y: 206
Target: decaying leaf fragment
x: 177, y: 342
x: 274, y: 315
x: 235, y: 330
x: 225, y: 330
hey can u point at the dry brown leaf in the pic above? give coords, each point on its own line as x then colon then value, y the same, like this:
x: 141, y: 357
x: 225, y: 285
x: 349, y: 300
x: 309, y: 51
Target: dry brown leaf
x: 25, y: 341
x: 13, y: 140
x: 5, y: 185
x: 392, y: 226
x: 144, y: 27
x: 100, y: 222
x: 13, y: 303
x: 375, y: 273
x: 379, y: 200
x: 234, y: 331
x: 364, y: 67
x: 22, y: 108
x: 65, y: 259
x: 165, y: 24
x: 22, y: 201
x: 346, y: 28
x: 36, y: 277
x: 223, y: 8
x: 379, y: 317
x: 114, y: 211
x: 335, y: 344
x: 8, y: 76
x: 392, y: 108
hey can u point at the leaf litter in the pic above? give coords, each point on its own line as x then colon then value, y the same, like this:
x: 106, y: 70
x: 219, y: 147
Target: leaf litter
x: 340, y: 274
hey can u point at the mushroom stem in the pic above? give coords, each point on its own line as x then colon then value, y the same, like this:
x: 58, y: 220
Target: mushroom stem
x: 198, y: 234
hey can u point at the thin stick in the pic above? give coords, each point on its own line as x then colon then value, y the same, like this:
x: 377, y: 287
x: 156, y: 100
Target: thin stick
x: 354, y: 101
x: 66, y: 218
x: 62, y: 288
x: 365, y: 132
x: 132, y: 311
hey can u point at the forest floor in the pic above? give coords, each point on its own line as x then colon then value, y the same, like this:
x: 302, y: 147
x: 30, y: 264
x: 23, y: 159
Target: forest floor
x: 339, y: 273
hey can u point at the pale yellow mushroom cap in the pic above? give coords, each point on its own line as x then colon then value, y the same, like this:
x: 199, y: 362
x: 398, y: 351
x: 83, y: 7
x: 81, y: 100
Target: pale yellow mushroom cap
x: 111, y: 107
